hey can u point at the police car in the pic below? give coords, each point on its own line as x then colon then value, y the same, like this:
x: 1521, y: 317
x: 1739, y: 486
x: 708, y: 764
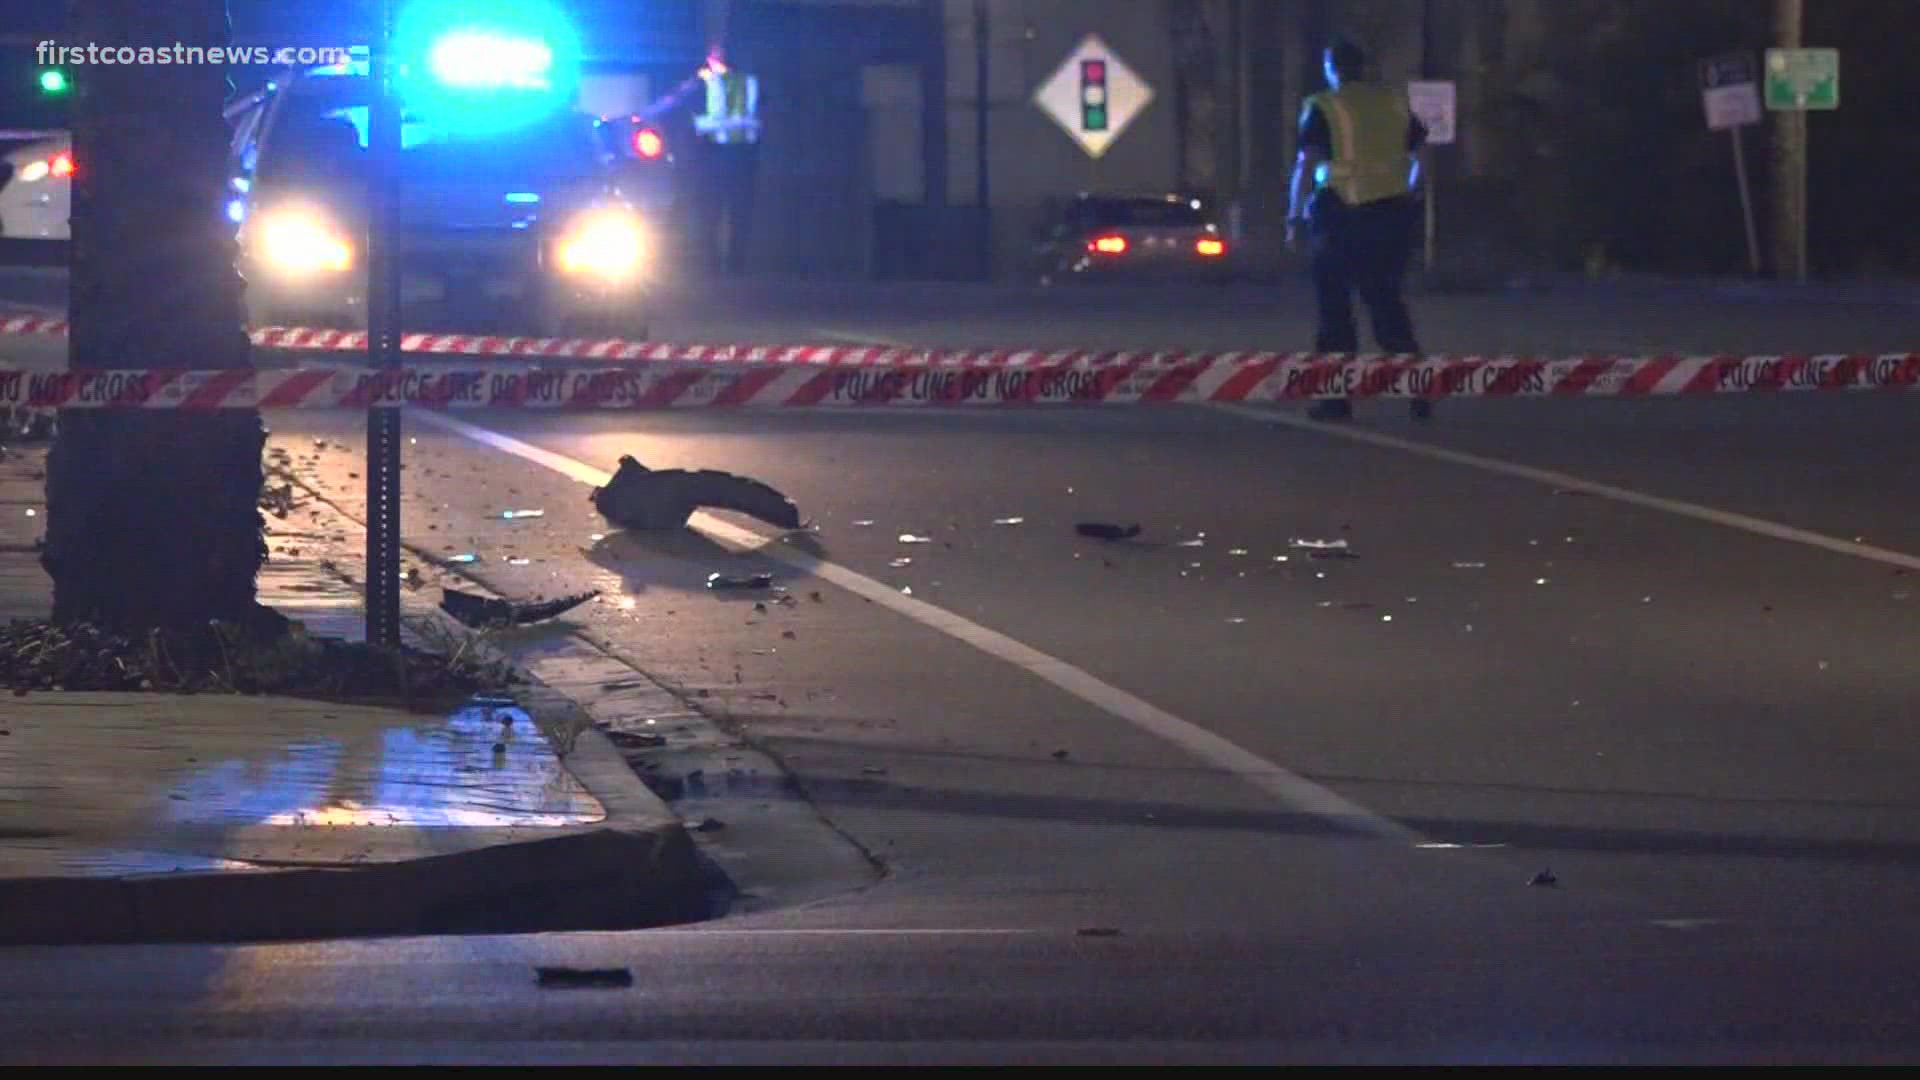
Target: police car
x: 523, y: 220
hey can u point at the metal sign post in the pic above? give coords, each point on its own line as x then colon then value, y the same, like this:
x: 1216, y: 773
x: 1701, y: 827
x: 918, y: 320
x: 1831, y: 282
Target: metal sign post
x: 1436, y: 103
x: 1730, y: 93
x: 383, y: 344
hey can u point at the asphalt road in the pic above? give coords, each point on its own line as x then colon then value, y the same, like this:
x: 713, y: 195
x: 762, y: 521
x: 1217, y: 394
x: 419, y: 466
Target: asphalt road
x: 1661, y: 650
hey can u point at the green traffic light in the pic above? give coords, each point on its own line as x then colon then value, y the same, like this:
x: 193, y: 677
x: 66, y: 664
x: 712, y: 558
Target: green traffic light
x: 53, y: 81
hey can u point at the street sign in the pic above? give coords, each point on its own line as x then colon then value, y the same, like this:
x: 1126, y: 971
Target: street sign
x: 1093, y: 96
x: 1436, y: 104
x: 1734, y: 106
x: 1728, y: 69
x: 1802, y: 79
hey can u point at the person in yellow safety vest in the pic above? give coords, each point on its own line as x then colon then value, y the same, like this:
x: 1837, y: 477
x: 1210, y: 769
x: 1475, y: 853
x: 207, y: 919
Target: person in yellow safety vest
x: 1360, y: 145
x: 729, y: 127
x: 732, y: 114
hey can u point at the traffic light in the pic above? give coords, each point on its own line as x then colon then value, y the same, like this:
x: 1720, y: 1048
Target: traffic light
x: 53, y: 82
x: 1093, y: 95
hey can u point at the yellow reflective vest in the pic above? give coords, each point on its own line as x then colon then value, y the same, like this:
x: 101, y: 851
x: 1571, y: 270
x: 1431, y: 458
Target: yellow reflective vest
x: 1369, y: 124
x: 733, y: 108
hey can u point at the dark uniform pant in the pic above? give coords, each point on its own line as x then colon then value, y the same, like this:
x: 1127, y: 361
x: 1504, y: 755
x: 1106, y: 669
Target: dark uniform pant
x: 723, y: 204
x: 1363, y: 249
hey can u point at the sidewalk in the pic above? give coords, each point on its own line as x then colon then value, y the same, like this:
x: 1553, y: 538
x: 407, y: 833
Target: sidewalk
x: 144, y: 817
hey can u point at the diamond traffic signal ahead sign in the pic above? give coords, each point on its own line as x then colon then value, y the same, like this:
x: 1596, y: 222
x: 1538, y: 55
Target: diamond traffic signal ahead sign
x: 1093, y: 96
x: 1800, y: 79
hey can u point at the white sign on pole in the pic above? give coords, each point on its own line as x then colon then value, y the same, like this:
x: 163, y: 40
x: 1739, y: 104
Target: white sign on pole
x: 1436, y: 104
x: 1093, y: 96
x: 1732, y: 106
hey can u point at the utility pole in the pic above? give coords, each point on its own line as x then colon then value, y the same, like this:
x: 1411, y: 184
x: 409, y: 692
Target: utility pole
x: 983, y: 171
x: 1789, y: 158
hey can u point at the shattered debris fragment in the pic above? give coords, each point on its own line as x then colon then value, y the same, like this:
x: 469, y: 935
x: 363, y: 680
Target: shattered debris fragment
x: 1010, y: 521
x: 516, y: 515
x: 1100, y: 530
x: 863, y: 523
x: 478, y: 611
x: 720, y: 581
x: 901, y: 562
x: 1323, y: 549
x: 912, y: 538
x: 571, y: 978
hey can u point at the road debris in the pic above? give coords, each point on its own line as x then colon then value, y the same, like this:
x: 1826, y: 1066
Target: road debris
x: 912, y: 538
x: 1469, y: 566
x: 464, y: 557
x: 900, y: 563
x: 863, y: 523
x: 1544, y: 879
x: 572, y: 978
x: 1323, y: 549
x: 477, y: 611
x: 719, y: 581
x: 519, y: 515
x: 817, y: 597
x: 1060, y: 755
x: 709, y: 825
x: 1010, y: 521
x: 1198, y: 541
x: 652, y: 500
x: 1100, y: 530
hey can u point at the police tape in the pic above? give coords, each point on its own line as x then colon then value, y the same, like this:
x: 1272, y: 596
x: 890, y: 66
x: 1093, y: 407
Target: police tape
x: 1240, y: 376
x: 1104, y: 379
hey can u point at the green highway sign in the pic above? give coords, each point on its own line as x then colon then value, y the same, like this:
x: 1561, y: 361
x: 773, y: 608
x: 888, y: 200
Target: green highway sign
x: 1799, y: 79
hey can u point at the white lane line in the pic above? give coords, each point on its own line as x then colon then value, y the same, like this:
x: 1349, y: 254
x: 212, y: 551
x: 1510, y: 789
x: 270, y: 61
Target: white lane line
x: 854, y: 338
x: 1679, y: 508
x: 827, y: 931
x: 1295, y: 790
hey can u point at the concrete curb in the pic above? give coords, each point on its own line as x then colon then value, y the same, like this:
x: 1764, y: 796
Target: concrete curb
x: 640, y: 868
x: 604, y: 879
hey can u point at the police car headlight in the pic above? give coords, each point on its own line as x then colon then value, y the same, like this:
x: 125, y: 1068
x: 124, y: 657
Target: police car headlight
x: 609, y: 244
x: 302, y: 242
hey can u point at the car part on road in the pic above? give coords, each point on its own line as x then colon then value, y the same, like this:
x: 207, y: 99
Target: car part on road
x: 1100, y: 530
x: 641, y: 498
x: 479, y: 611
x: 719, y: 582
x: 570, y: 978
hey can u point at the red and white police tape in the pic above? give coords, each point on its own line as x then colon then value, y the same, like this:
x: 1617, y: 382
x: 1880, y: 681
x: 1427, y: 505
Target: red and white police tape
x: 641, y: 375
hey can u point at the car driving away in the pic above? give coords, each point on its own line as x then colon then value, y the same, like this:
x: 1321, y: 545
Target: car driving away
x: 36, y: 186
x: 1132, y: 236
x: 522, y: 229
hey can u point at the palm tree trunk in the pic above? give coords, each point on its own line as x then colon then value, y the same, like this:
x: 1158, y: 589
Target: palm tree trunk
x: 152, y: 518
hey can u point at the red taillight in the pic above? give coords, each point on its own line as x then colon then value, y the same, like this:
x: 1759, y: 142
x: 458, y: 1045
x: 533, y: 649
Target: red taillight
x: 648, y: 144
x: 1210, y: 247
x: 1108, y: 245
x: 61, y: 165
